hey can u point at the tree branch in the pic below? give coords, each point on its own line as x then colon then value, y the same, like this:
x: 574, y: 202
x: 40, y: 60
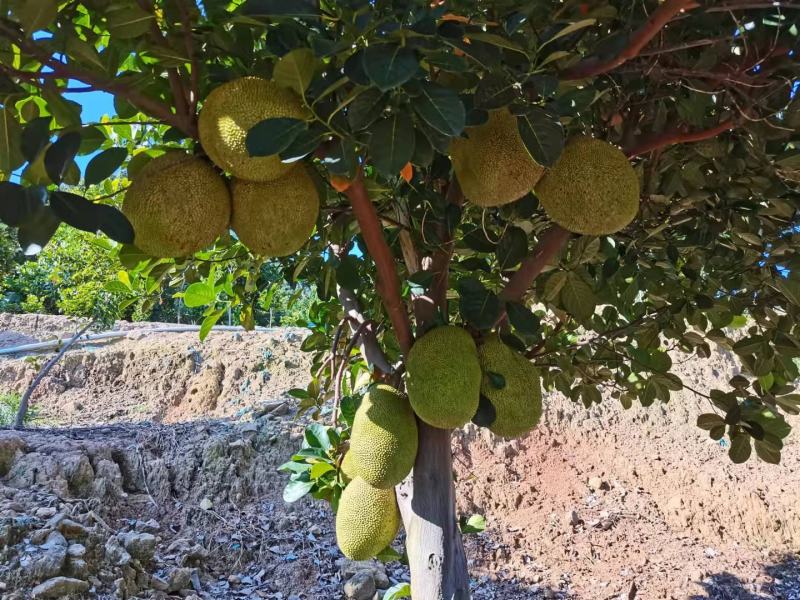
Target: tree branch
x: 388, y: 281
x: 678, y: 136
x: 60, y: 70
x: 591, y: 67
x: 550, y: 243
x: 188, y: 39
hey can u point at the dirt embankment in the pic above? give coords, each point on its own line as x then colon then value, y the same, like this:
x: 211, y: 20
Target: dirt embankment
x: 594, y: 504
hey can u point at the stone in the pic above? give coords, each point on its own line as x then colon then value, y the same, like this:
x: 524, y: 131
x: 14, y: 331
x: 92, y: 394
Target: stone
x: 58, y: 587
x: 10, y: 444
x: 115, y: 553
x: 77, y: 568
x: 596, y: 484
x: 360, y: 586
x: 150, y: 526
x: 179, y: 579
x: 73, y: 530
x: 76, y: 550
x: 45, y: 512
x: 47, y: 560
x: 141, y: 546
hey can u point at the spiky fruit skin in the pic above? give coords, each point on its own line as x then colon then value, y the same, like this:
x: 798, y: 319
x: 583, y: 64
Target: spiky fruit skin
x: 347, y: 468
x: 367, y: 520
x: 275, y: 218
x: 492, y: 165
x: 518, y: 405
x: 229, y: 112
x: 178, y: 204
x: 384, y: 437
x: 443, y: 377
x: 592, y: 189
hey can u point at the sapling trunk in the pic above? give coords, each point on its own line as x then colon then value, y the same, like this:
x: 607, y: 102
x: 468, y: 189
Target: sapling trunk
x: 433, y: 539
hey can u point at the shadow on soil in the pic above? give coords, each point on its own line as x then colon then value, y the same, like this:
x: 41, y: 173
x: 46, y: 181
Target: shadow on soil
x: 784, y: 584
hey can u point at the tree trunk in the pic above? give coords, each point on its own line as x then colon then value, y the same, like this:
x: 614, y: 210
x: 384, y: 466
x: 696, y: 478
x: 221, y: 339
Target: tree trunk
x: 433, y: 539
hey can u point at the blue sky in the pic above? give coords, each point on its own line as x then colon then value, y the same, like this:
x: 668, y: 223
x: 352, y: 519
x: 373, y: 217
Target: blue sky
x: 95, y: 105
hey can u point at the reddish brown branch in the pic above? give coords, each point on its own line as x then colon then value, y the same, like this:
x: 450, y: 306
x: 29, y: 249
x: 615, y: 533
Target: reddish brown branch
x: 550, y: 243
x: 388, y: 281
x: 678, y: 136
x: 144, y: 103
x: 663, y: 15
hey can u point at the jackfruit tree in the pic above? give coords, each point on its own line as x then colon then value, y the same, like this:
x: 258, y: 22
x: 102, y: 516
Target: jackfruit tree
x: 495, y: 201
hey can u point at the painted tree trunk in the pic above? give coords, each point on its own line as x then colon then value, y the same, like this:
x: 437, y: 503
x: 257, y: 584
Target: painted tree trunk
x: 433, y: 540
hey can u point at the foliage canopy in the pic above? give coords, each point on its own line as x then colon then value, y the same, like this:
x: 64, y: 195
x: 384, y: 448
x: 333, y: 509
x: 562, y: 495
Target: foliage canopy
x: 701, y: 95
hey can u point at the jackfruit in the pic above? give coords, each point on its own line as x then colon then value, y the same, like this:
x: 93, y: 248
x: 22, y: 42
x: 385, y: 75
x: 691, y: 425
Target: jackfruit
x: 367, y: 520
x: 347, y: 468
x: 384, y: 437
x: 512, y: 384
x: 592, y: 189
x: 492, y: 165
x: 275, y: 218
x: 443, y: 377
x: 229, y: 112
x: 178, y: 204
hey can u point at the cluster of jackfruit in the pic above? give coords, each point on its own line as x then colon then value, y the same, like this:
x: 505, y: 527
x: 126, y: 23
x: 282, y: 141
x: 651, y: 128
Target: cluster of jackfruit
x: 180, y: 204
x: 448, y: 377
x: 383, y: 448
x: 592, y: 189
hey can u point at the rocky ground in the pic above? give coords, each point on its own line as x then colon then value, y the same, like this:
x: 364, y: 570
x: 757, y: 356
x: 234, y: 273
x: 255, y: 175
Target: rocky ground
x: 165, y: 485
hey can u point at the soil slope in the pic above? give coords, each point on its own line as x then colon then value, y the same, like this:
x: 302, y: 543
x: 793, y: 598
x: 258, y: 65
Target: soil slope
x: 595, y: 504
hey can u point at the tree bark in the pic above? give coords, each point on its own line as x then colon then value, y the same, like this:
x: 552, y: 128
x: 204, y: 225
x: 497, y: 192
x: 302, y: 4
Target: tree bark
x: 433, y: 539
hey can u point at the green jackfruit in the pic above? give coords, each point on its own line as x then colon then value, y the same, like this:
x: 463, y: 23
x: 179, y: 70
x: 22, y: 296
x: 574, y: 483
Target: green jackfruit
x: 367, y: 520
x: 384, y: 437
x: 592, y: 189
x: 512, y: 384
x: 492, y: 164
x: 178, y: 204
x: 347, y: 468
x: 275, y: 218
x: 443, y: 377
x: 228, y: 114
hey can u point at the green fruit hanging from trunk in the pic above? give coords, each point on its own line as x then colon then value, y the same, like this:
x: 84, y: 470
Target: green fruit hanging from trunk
x: 367, y: 520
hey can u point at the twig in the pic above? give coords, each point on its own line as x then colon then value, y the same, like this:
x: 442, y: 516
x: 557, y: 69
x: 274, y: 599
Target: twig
x: 388, y: 281
x: 550, y: 243
x: 22, y: 412
x: 190, y: 50
x: 657, y: 21
x: 337, y: 384
x: 679, y: 136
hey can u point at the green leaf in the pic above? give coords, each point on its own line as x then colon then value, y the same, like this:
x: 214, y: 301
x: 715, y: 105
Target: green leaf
x: 389, y: 65
x: 295, y: 490
x: 441, y: 108
x: 388, y: 555
x: 740, y: 448
x: 789, y: 403
x: 542, y: 134
x: 474, y: 524
x: 391, y: 144
x: 35, y: 137
x: 571, y: 28
x: 295, y: 70
x: 84, y: 52
x: 60, y: 155
x: 496, y: 380
x: 708, y: 421
x: 209, y: 322
x: 486, y: 413
x: 789, y: 288
x: 398, y: 591
x: 477, y: 305
x: 577, y: 297
x: 522, y: 318
x: 104, y: 165
x: 512, y: 247
x: 131, y: 257
x: 319, y: 469
x: 36, y: 228
x: 554, y: 285
x: 272, y: 136
x: 347, y: 275
x: 365, y: 108
x: 652, y: 360
x: 280, y: 8
x: 200, y: 293
x: 767, y: 452
x: 749, y: 345
x: 11, y: 156
x: 35, y: 15
x: 316, y: 436
x: 127, y: 20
